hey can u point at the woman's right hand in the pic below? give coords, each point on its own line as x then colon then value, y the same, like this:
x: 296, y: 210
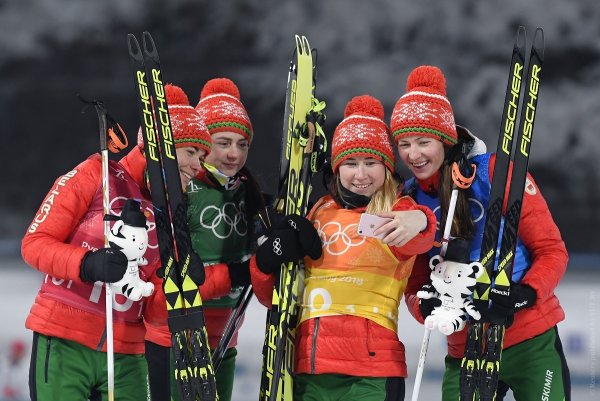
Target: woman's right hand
x: 404, y: 226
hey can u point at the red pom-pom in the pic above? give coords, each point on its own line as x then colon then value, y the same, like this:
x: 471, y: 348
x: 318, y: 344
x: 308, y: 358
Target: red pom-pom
x: 364, y: 104
x: 220, y: 85
x: 429, y: 77
x: 176, y: 95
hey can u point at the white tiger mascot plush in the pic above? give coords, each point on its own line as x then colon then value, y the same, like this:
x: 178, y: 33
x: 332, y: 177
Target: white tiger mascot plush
x: 129, y: 235
x: 454, y: 279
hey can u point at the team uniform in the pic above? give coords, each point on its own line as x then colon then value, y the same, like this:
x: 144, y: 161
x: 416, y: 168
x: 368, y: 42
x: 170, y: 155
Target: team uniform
x: 68, y: 316
x: 540, y: 262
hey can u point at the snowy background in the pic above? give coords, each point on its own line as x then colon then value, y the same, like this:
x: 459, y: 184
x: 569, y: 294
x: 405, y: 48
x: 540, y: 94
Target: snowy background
x: 52, y: 49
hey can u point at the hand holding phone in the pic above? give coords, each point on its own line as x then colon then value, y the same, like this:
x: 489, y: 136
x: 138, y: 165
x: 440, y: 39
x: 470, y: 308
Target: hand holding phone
x: 369, y: 223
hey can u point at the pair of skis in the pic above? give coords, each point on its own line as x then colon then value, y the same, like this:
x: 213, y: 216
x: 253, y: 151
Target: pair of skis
x: 192, y: 362
x: 480, y: 365
x: 302, y: 150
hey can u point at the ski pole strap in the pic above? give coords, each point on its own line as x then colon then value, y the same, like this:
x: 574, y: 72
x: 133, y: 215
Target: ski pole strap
x: 117, y: 140
x: 312, y: 129
x: 314, y: 120
x: 460, y: 177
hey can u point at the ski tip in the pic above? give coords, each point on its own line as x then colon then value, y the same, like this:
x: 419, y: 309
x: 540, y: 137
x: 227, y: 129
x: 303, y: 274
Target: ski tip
x: 521, y: 37
x: 539, y: 42
x: 298, y: 44
x: 133, y: 45
x: 148, y: 43
x: 306, y: 44
x: 302, y: 45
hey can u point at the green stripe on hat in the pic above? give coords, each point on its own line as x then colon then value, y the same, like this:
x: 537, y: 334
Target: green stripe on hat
x: 385, y: 158
x: 421, y: 130
x: 233, y: 124
x: 194, y: 140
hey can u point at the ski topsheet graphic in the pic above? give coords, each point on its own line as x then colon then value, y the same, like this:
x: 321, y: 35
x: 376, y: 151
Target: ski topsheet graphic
x: 302, y: 149
x: 192, y: 363
x: 481, y: 362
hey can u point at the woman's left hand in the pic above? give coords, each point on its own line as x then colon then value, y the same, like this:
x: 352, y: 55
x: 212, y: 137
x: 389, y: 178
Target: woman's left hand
x: 404, y: 226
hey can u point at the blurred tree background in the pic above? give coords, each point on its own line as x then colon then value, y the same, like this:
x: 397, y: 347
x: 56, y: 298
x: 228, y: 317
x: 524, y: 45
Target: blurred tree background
x: 50, y: 50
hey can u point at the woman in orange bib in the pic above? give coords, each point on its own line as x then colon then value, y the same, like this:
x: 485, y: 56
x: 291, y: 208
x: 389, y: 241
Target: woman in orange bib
x: 347, y: 344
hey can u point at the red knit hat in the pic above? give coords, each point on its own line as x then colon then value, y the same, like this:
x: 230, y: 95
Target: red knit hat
x: 221, y: 109
x: 362, y: 132
x: 424, y: 110
x: 187, y: 125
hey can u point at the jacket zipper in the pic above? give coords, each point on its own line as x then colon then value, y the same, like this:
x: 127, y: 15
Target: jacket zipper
x: 47, y: 359
x: 313, y: 350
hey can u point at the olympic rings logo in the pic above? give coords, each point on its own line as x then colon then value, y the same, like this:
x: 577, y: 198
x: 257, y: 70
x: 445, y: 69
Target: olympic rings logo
x: 226, y: 220
x: 344, y: 235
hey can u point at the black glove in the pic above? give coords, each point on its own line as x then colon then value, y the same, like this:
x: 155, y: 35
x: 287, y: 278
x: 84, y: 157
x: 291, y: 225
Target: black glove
x: 504, y: 307
x: 105, y: 264
x: 293, y: 238
x: 426, y: 306
x: 239, y: 273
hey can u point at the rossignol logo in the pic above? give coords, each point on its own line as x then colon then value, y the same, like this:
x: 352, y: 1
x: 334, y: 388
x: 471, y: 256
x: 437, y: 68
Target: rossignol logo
x: 534, y: 87
x: 511, y: 113
x: 521, y: 304
x: 500, y: 292
x: 290, y: 128
x: 163, y: 115
x: 49, y: 201
x: 148, y: 118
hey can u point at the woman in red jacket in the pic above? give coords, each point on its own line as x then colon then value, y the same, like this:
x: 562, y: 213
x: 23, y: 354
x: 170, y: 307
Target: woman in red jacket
x: 533, y: 363
x: 347, y: 344
x: 65, y: 242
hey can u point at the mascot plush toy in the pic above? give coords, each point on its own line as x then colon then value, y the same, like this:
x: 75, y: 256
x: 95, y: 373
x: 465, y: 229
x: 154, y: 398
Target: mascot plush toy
x: 453, y: 280
x: 129, y: 235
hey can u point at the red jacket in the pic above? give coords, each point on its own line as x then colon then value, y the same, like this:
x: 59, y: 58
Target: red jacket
x: 46, y: 247
x: 549, y: 258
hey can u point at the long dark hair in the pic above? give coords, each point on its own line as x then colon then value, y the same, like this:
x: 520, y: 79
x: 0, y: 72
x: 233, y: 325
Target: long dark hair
x: 462, y: 223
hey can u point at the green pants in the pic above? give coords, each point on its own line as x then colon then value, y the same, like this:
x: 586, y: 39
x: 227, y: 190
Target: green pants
x: 333, y: 387
x: 224, y: 377
x: 535, y: 369
x: 65, y: 370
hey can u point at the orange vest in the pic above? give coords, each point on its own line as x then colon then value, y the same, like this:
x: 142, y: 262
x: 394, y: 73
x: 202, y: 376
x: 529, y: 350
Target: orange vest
x: 356, y: 275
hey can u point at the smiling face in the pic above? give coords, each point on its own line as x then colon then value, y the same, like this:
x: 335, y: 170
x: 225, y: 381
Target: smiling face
x: 362, y: 175
x: 422, y: 155
x: 189, y: 159
x: 229, y: 152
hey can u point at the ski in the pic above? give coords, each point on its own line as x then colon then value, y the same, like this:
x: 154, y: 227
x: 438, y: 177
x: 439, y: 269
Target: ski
x: 303, y: 145
x: 481, y: 364
x: 470, y: 362
x: 194, y: 372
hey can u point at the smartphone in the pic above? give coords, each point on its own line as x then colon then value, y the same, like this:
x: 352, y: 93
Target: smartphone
x: 369, y: 223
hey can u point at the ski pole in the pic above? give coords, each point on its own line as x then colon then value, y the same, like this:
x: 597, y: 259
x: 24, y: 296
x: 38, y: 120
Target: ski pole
x: 427, y: 333
x: 459, y: 182
x: 112, y: 138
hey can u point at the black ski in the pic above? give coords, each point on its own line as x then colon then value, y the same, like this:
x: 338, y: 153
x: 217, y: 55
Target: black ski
x: 193, y: 368
x: 487, y: 360
x: 491, y: 232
